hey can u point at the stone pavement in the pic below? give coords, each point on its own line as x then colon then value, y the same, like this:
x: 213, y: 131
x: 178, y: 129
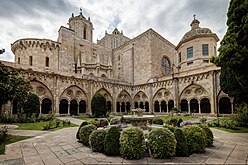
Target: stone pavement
x: 61, y: 147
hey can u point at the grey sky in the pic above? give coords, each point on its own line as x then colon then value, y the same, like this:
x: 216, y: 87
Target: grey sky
x: 170, y: 18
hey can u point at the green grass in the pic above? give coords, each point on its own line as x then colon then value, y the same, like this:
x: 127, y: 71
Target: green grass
x: 185, y: 118
x: 39, y: 126
x: 240, y: 130
x: 11, y: 139
x: 86, y: 118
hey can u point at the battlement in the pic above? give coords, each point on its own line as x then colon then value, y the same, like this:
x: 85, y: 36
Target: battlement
x: 35, y: 42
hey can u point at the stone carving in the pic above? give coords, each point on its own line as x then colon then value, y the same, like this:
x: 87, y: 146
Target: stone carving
x: 41, y: 90
x: 188, y: 92
x: 69, y: 92
x: 199, y: 91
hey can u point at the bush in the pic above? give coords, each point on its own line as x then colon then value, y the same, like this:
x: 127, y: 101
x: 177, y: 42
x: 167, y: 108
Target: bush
x: 203, y: 120
x: 85, y: 132
x: 111, y: 141
x: 242, y: 118
x: 103, y: 122
x: 95, y: 122
x: 170, y: 127
x: 179, y: 121
x: 32, y: 105
x: 48, y: 125
x: 162, y: 143
x: 3, y: 133
x: 45, y: 117
x: 182, y: 148
x: 66, y: 122
x: 158, y: 120
x: 132, y: 143
x: 96, y: 140
x: 172, y: 121
x: 209, y: 133
x: 83, y: 124
x: 196, y: 138
x: 57, y: 122
x: 99, y: 105
x: 115, y: 120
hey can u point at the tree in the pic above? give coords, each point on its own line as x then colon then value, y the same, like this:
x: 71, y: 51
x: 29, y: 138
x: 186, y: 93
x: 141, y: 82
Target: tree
x: 31, y: 105
x: 233, y: 57
x: 12, y: 86
x: 99, y: 105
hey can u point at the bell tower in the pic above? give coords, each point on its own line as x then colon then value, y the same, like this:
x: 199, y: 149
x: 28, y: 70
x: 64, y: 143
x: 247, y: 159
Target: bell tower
x: 81, y: 26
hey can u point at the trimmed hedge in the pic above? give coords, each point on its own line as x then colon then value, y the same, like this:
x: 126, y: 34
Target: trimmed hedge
x: 162, y: 143
x: 170, y: 127
x: 209, y: 133
x: 132, y: 143
x: 196, y: 138
x: 182, y: 148
x: 111, y: 141
x: 82, y: 124
x: 96, y: 140
x: 85, y: 132
x: 158, y: 120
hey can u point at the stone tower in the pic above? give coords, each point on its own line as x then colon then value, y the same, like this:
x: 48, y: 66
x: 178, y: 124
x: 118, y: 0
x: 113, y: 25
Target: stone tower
x: 82, y: 27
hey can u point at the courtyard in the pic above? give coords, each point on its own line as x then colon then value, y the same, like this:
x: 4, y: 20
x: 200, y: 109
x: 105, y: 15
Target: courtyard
x: 61, y: 147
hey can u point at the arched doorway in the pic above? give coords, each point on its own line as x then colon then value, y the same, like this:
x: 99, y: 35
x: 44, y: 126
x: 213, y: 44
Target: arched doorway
x: 225, y: 105
x: 63, y: 106
x: 109, y: 106
x: 128, y: 106
x: 163, y: 106
x: 194, y: 107
x: 14, y: 107
x: 82, y: 106
x: 156, y: 106
x: 118, y: 107
x: 147, y: 106
x: 170, y: 105
x: 141, y: 105
x: 73, y: 107
x: 46, y: 106
x: 123, y: 107
x: 205, y: 106
x: 184, y: 105
x: 136, y: 105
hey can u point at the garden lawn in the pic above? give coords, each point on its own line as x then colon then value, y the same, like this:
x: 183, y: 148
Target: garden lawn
x: 185, y: 118
x: 86, y: 118
x: 11, y: 139
x: 39, y: 126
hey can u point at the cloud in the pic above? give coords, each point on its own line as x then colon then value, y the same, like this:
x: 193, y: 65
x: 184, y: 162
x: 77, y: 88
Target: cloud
x: 170, y: 18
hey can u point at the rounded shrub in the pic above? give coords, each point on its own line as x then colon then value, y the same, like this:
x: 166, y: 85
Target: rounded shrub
x: 132, y: 143
x: 85, y: 132
x: 162, y: 143
x: 111, y: 141
x: 196, y: 138
x: 82, y: 124
x: 158, y: 120
x: 96, y: 140
x: 115, y: 120
x: 182, y: 148
x: 209, y: 133
x: 99, y: 105
x: 32, y: 105
x: 170, y: 127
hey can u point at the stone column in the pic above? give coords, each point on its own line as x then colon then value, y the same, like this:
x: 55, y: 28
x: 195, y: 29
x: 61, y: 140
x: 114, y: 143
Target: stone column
x: 167, y: 108
x: 68, y: 108
x: 231, y: 104
x: 160, y: 107
x: 199, y: 104
x: 40, y: 107
x: 78, y: 109
x: 188, y: 107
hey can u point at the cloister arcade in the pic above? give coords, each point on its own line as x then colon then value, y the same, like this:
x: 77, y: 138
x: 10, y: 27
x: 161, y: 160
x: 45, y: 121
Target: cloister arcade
x: 74, y: 100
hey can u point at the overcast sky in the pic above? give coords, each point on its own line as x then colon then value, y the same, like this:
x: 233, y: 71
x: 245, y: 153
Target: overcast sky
x: 170, y: 18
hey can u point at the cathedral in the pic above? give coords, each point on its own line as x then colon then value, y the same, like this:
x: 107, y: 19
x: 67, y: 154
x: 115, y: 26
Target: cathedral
x: 146, y: 72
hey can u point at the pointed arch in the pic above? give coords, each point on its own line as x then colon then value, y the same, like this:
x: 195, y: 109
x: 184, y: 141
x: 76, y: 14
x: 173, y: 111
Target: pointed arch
x: 193, y: 91
x: 163, y: 94
x: 124, y: 98
x: 105, y: 93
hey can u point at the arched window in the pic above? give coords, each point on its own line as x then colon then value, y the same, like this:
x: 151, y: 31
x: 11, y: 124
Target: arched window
x: 165, y: 66
x: 47, y: 61
x: 84, y: 33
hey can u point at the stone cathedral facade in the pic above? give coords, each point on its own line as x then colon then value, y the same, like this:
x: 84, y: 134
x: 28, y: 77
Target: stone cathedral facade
x: 147, y: 72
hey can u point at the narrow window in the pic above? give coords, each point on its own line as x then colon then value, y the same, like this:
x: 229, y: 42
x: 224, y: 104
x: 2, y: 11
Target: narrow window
x: 85, y: 33
x: 190, y: 52
x: 47, y: 62
x: 205, y: 49
x: 179, y: 57
x: 214, y: 50
x: 18, y: 60
x: 30, y: 60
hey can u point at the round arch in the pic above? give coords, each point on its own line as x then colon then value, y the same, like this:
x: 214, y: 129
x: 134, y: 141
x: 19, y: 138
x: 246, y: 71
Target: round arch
x: 205, y: 105
x: 225, y: 105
